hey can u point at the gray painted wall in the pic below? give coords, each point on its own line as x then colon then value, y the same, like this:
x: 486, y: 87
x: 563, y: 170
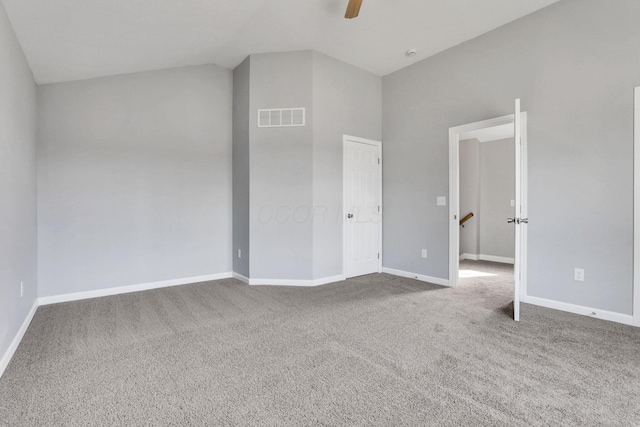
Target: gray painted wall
x: 281, y: 169
x: 295, y: 173
x: 346, y: 100
x: 469, y: 195
x: 18, y: 241
x: 134, y: 179
x: 241, y: 166
x: 574, y: 64
x: 497, y: 189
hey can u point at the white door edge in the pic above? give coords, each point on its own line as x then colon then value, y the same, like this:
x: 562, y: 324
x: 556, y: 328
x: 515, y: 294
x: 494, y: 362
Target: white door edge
x: 519, y: 227
x: 636, y: 208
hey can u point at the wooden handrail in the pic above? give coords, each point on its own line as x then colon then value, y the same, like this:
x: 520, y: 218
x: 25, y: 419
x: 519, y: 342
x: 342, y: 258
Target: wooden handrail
x: 466, y: 218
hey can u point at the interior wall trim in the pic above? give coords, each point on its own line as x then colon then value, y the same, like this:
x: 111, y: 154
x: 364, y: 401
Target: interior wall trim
x: 8, y: 354
x: 295, y: 282
x: 240, y: 277
x: 611, y: 316
x: 421, y: 277
x: 75, y: 296
x: 483, y: 257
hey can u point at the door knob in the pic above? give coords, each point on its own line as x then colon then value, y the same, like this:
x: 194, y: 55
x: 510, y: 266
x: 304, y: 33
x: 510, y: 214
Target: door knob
x: 349, y: 215
x: 511, y: 220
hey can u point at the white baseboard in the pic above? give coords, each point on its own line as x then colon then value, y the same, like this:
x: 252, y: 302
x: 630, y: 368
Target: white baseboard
x: 302, y: 282
x: 131, y: 288
x: 6, y: 357
x: 240, y: 277
x: 493, y: 258
x: 331, y: 279
x: 482, y: 257
x: 578, y: 309
x: 421, y: 277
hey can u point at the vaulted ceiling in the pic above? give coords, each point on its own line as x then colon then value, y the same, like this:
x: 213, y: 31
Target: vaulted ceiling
x: 78, y: 39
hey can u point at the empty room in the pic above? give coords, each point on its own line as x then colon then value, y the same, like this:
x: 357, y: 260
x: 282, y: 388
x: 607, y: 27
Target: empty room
x: 323, y: 212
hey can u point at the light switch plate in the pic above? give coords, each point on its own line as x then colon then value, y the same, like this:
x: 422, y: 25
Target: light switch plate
x: 442, y: 201
x: 513, y: 203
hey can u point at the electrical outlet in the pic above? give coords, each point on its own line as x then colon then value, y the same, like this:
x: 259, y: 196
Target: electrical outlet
x: 578, y: 274
x: 21, y: 289
x: 424, y: 253
x: 239, y: 253
x: 513, y: 203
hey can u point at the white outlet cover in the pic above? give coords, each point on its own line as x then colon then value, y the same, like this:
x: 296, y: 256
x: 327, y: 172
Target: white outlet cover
x: 442, y: 201
x: 513, y: 203
x: 424, y: 253
x: 578, y: 274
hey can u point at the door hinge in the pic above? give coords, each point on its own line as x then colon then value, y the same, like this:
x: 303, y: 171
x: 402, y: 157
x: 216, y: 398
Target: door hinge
x: 378, y: 255
x: 378, y: 208
x: 378, y: 160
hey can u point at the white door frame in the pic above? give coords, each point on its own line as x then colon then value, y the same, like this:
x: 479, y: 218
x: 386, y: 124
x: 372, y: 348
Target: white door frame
x: 377, y: 144
x: 454, y: 195
x: 636, y: 208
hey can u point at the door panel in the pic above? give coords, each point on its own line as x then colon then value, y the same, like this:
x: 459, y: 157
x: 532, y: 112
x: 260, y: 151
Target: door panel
x: 362, y: 208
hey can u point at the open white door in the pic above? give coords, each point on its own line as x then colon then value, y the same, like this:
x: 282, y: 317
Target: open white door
x: 362, y: 206
x: 519, y: 222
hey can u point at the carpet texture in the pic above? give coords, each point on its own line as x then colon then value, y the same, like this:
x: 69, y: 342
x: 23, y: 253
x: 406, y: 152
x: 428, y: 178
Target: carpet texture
x: 374, y: 350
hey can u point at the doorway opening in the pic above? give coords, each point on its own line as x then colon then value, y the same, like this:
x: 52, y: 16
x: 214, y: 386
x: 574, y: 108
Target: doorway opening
x: 487, y: 197
x: 488, y: 204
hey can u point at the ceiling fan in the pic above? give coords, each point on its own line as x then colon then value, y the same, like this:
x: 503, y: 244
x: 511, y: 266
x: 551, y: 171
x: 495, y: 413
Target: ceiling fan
x: 353, y: 8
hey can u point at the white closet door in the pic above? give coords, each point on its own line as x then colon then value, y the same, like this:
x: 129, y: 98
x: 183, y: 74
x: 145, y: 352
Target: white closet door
x: 362, y: 169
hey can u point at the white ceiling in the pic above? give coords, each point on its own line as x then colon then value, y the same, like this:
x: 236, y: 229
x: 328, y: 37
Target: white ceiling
x: 78, y: 39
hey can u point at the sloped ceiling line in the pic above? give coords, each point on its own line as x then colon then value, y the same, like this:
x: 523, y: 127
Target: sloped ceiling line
x: 78, y: 39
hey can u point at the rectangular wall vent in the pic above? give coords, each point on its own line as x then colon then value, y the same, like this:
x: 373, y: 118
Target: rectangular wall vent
x: 281, y: 117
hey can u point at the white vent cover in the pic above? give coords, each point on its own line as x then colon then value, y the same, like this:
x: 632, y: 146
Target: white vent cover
x: 281, y: 117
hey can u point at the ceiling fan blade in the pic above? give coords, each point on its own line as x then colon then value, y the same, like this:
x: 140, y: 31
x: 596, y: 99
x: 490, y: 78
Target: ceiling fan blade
x: 353, y: 9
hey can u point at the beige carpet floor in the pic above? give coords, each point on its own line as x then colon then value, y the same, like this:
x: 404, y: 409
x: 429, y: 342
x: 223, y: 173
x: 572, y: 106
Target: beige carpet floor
x: 376, y: 350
